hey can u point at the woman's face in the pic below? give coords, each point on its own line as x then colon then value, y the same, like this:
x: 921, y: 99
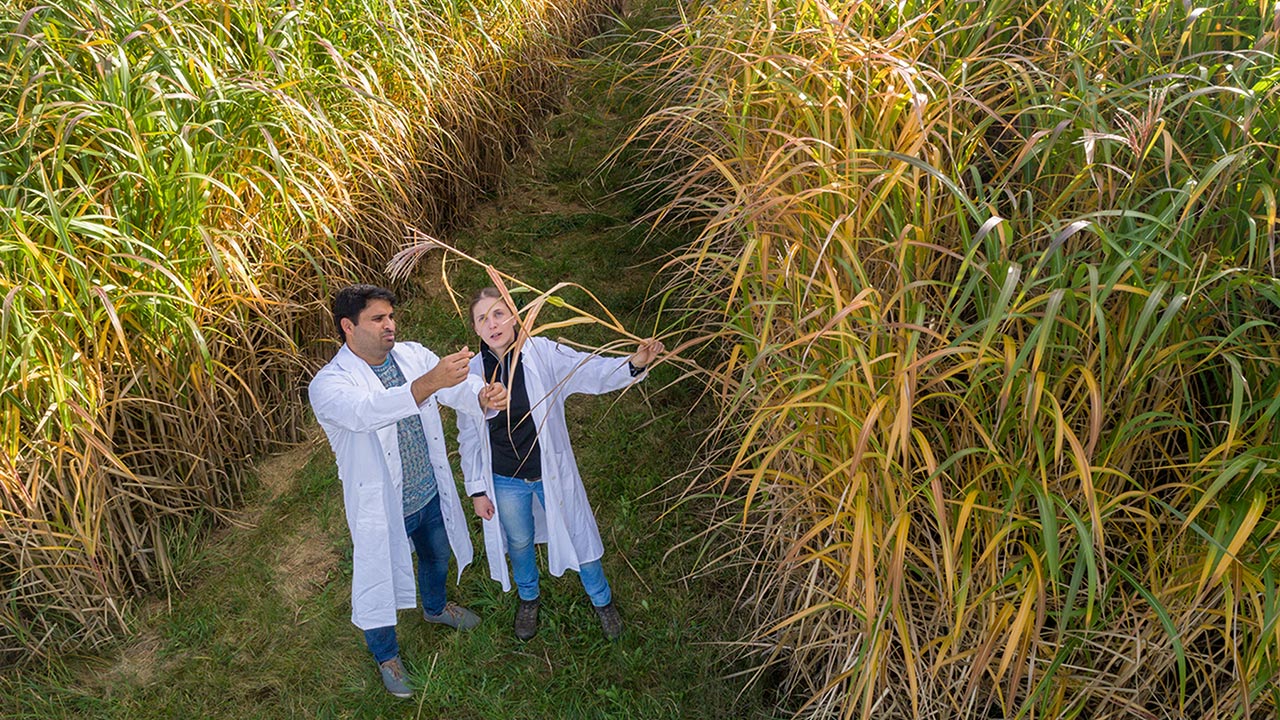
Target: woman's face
x: 494, y: 323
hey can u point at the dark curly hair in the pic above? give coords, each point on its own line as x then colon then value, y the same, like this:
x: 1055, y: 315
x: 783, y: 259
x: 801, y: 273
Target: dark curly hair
x: 351, y: 301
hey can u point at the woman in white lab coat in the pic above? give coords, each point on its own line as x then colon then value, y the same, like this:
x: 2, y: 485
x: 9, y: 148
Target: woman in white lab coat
x: 518, y: 466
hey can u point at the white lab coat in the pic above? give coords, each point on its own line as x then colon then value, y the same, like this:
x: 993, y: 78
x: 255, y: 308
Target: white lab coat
x: 359, y: 416
x: 567, y: 525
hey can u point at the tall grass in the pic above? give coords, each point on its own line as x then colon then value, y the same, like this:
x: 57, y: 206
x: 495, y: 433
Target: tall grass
x: 181, y: 188
x: 993, y: 292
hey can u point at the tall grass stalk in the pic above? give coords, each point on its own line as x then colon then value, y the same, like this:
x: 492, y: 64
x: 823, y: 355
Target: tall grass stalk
x: 993, y: 289
x: 181, y: 189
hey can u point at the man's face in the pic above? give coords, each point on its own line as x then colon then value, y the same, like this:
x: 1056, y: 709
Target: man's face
x: 494, y: 323
x: 374, y: 333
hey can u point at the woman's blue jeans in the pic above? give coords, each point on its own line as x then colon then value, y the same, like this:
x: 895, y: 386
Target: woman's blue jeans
x: 515, y: 510
x: 425, y: 529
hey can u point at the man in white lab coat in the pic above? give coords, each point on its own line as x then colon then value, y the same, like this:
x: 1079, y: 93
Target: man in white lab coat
x: 377, y: 402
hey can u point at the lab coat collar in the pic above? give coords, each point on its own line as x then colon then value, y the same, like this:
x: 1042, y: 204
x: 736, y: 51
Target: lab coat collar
x: 354, y: 364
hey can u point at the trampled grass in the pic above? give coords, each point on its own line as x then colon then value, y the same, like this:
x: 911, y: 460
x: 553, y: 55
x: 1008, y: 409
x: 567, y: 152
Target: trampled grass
x: 992, y: 291
x: 181, y: 187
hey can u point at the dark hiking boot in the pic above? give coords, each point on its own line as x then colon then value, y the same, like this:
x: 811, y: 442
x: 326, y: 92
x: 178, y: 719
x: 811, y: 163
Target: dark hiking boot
x: 527, y: 619
x: 610, y: 621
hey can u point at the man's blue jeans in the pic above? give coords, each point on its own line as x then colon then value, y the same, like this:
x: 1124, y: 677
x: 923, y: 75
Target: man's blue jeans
x: 425, y: 529
x: 515, y: 510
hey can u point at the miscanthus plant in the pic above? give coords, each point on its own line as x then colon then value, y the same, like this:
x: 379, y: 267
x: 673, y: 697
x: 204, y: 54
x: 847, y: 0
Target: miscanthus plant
x: 182, y: 186
x: 993, y: 298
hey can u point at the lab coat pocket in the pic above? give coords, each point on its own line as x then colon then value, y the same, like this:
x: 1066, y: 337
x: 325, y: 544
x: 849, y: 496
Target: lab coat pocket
x: 370, y: 515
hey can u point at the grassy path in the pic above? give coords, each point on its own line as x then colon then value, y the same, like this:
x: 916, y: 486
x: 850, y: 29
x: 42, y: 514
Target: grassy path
x: 261, y: 625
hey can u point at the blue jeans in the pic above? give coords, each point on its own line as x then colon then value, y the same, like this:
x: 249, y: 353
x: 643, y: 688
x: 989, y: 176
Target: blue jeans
x: 425, y: 529
x: 515, y: 510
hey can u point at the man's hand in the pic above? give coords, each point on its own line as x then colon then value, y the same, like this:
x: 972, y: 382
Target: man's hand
x: 649, y: 351
x: 493, y: 397
x: 483, y: 506
x: 451, y: 370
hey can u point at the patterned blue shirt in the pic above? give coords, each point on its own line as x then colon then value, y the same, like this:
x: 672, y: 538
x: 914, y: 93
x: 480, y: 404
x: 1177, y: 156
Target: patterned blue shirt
x: 419, y: 478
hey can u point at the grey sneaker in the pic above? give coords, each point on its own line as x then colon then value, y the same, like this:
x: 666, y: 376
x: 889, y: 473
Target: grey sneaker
x: 394, y: 678
x: 610, y: 620
x: 527, y: 619
x: 455, y: 616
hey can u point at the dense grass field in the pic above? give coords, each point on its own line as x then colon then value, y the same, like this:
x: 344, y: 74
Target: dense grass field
x: 259, y: 623
x: 982, y: 298
x: 993, y: 287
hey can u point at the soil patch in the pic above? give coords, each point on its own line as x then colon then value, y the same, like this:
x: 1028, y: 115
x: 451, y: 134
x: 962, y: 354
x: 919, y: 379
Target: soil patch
x: 138, y: 664
x: 277, y: 473
x: 305, y: 565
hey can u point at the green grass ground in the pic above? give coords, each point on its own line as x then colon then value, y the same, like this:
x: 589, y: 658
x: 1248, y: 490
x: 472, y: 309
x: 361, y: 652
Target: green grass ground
x: 260, y: 626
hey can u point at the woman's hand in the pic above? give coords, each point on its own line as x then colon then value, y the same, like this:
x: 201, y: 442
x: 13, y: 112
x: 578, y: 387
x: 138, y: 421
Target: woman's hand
x: 649, y: 351
x: 483, y: 507
x: 493, y: 397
